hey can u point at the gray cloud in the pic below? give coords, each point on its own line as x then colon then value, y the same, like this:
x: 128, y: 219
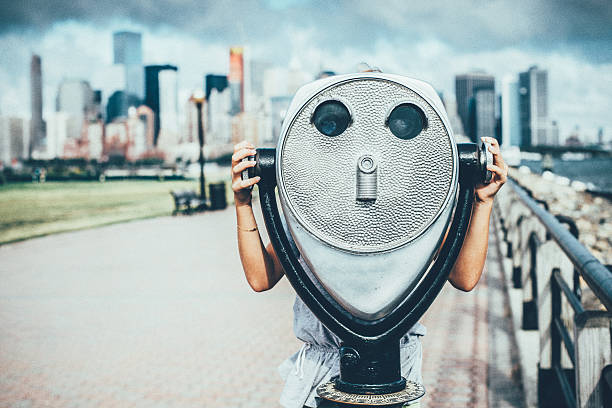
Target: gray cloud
x: 579, y: 27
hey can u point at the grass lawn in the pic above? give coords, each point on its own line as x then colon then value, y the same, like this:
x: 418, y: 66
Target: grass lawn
x: 29, y: 210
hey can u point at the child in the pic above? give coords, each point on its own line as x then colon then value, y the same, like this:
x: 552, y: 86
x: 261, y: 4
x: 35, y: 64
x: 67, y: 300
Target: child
x: 317, y: 360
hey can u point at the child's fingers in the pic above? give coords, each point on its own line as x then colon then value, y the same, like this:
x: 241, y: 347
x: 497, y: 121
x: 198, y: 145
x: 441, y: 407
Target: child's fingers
x: 242, y: 184
x: 495, y: 151
x: 501, y: 173
x: 243, y: 165
x: 241, y: 154
x: 243, y: 145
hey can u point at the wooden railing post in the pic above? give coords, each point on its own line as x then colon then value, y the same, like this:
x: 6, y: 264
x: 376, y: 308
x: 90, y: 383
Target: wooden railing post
x: 593, y: 353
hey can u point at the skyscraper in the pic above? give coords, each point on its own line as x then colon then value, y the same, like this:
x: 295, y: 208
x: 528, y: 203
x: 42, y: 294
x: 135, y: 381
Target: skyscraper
x: 37, y: 126
x: 533, y: 102
x: 152, y: 94
x: 13, y: 136
x: 466, y: 86
x: 511, y: 117
x: 484, y: 113
x: 127, y: 51
x: 212, y: 81
x: 236, y: 79
x: 76, y: 98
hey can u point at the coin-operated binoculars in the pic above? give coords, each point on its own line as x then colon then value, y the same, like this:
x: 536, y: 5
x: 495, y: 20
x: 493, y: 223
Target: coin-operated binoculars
x: 377, y: 196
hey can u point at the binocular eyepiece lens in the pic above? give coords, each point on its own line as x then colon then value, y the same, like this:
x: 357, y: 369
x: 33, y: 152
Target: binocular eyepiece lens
x: 406, y: 121
x: 331, y: 118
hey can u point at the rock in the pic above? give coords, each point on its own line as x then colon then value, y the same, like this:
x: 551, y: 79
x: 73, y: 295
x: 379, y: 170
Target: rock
x: 578, y: 185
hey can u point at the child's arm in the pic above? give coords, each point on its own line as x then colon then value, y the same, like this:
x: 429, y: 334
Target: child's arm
x: 471, y: 259
x: 261, y: 266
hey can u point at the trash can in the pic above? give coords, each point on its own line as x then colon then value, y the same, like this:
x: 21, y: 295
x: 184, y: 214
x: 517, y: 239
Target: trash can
x: 218, y: 200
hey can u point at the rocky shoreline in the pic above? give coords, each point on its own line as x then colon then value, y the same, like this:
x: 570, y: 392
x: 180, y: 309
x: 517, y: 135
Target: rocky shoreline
x: 592, y: 214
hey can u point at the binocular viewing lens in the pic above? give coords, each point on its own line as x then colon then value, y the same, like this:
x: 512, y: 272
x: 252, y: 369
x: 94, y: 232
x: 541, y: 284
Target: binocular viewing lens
x: 331, y: 118
x: 406, y: 121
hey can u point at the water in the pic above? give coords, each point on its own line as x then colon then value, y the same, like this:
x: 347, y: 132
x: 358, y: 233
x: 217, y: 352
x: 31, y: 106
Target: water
x: 596, y: 170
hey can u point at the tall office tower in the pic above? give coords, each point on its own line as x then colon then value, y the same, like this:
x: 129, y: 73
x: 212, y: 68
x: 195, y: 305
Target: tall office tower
x: 127, y: 51
x: 218, y: 120
x: 218, y: 83
x: 465, y: 89
x: 484, y: 113
x: 166, y: 88
x: 37, y: 126
x: 256, y: 77
x: 554, y: 133
x: 510, y: 114
x: 168, y: 108
x: 533, y: 102
x: 600, y: 136
x: 236, y: 79
x: 13, y: 136
x: 76, y: 98
x: 212, y: 81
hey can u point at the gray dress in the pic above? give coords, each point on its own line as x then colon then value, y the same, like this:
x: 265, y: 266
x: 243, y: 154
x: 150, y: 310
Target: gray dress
x: 318, y: 359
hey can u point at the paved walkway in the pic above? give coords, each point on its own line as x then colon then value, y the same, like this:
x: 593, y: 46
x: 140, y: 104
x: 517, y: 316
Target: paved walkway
x: 156, y: 313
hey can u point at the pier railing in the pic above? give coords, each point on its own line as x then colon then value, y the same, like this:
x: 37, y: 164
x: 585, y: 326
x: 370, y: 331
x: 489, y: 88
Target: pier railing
x: 575, y: 353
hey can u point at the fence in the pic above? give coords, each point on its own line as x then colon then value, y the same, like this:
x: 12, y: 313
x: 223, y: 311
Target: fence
x: 575, y: 352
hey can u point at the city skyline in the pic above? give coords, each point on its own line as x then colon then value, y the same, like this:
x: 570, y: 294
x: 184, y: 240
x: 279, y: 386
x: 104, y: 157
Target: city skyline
x: 579, y: 77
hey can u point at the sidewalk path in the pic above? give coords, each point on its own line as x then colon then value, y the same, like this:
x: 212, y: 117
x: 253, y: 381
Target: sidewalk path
x: 157, y: 313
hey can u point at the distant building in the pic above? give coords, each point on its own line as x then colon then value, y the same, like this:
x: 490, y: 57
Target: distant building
x: 236, y: 79
x: 554, y: 133
x: 168, y: 108
x: 218, y: 123
x: 58, y: 127
x: 533, y: 102
x: 97, y: 105
x: 276, y: 110
x: 600, y: 136
x: 37, y: 126
x: 127, y: 51
x: 161, y: 93
x: 76, y: 98
x: 484, y: 114
x: 14, y: 135
x: 466, y: 86
x: 119, y: 104
x: 510, y: 113
x: 212, y: 81
x: 455, y: 122
x: 256, y: 74
x: 95, y: 139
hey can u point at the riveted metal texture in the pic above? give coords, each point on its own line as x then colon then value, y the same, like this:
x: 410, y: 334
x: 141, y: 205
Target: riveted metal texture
x: 318, y: 173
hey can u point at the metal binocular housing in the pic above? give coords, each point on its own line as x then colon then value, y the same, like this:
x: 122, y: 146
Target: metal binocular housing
x: 377, y: 195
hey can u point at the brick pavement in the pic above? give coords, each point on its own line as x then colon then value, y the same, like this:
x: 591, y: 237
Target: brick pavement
x: 156, y: 313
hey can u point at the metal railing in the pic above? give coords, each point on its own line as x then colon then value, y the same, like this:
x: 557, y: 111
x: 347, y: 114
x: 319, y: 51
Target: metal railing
x: 575, y: 344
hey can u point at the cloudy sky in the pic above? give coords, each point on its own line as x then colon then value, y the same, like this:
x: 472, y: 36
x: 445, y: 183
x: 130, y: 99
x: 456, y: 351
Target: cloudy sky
x: 430, y: 40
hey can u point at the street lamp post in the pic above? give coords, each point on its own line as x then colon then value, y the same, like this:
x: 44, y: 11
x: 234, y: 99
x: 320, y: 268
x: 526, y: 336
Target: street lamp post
x: 198, y: 98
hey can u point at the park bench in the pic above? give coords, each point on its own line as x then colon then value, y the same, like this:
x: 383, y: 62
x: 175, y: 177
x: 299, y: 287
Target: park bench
x: 186, y: 201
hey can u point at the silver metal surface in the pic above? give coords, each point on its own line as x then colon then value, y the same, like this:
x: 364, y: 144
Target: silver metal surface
x: 412, y: 392
x: 317, y: 177
x: 367, y: 254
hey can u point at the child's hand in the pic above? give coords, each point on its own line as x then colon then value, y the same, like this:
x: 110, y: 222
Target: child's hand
x: 486, y: 192
x: 242, y: 192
